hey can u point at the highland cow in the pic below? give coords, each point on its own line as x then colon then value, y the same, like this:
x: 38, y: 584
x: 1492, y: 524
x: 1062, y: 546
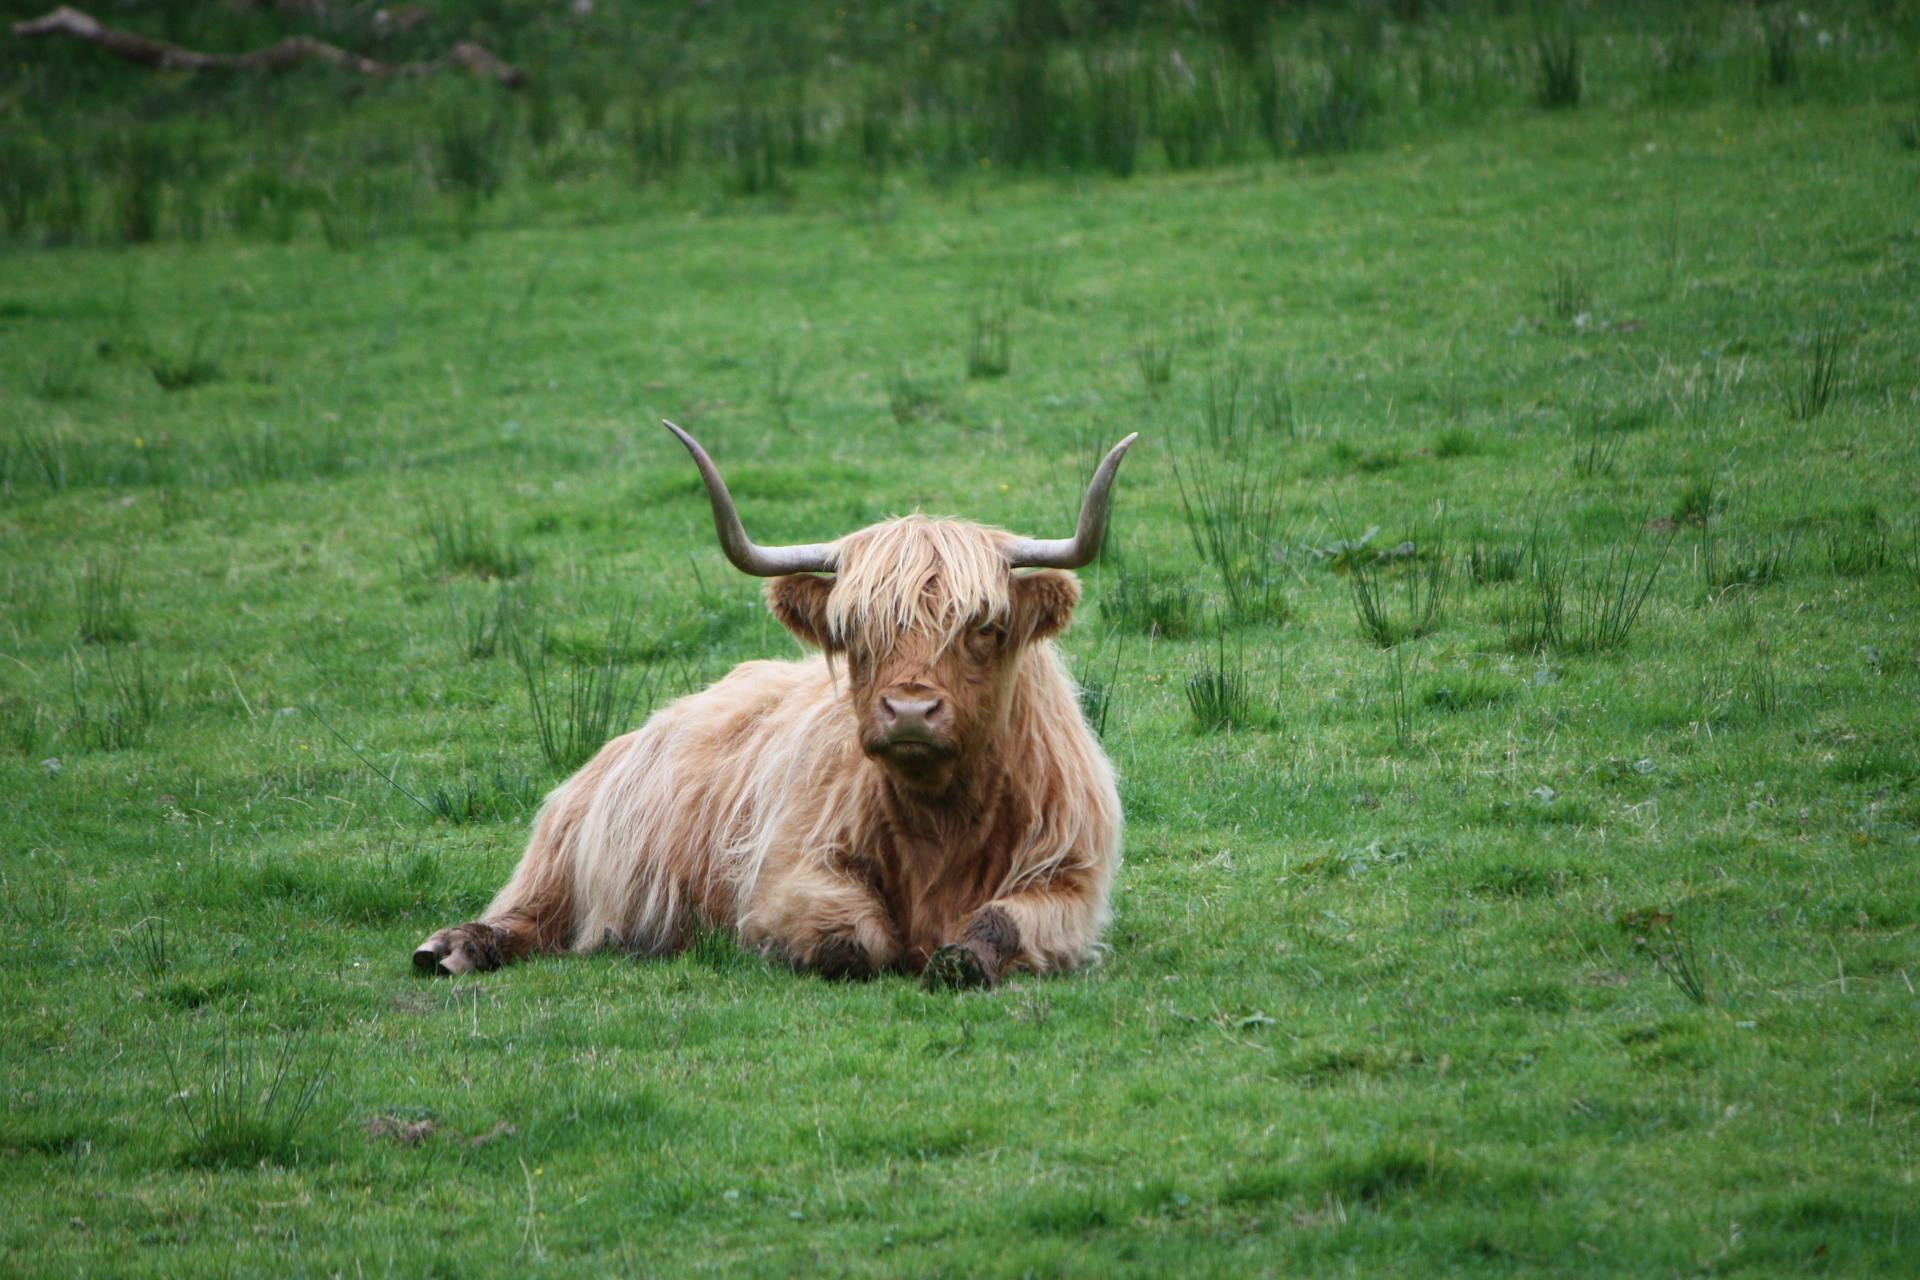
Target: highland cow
x: 922, y: 795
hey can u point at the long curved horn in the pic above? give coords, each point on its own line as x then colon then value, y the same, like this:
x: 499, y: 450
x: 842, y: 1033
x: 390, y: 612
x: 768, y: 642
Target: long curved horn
x: 747, y: 555
x: 1084, y: 545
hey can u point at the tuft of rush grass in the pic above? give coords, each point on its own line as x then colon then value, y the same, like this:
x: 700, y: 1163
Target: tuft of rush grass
x: 458, y: 541
x: 577, y: 709
x: 499, y: 793
x: 1751, y: 559
x: 185, y: 370
x: 1230, y: 501
x: 990, y: 341
x: 1491, y: 563
x: 1401, y: 597
x: 1610, y: 593
x: 783, y: 377
x: 1219, y: 690
x: 1566, y: 294
x: 101, y: 601
x: 238, y: 1106
x: 115, y: 702
x: 1817, y: 380
x: 61, y: 378
x: 1859, y: 547
x: 155, y: 948
x: 1596, y: 457
x: 1153, y: 357
x: 1557, y: 81
x: 1097, y: 685
x: 1149, y: 604
x: 1780, y: 45
x: 487, y: 626
x: 1670, y: 948
x: 1400, y: 703
x: 909, y: 399
x: 1698, y: 501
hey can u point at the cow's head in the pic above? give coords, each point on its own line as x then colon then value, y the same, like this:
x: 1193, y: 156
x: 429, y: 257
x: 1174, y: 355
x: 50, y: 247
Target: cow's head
x: 929, y: 616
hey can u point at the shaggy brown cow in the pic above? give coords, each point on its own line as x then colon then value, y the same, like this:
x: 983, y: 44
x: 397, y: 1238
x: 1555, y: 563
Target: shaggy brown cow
x: 923, y: 795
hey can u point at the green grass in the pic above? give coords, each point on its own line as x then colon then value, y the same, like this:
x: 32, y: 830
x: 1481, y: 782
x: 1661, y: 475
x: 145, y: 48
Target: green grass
x: 1587, y: 948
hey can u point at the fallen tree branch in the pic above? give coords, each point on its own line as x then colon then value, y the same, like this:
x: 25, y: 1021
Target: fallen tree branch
x: 292, y: 52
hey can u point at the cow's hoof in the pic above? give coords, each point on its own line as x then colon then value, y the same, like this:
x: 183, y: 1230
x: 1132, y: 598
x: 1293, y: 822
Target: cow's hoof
x: 956, y: 967
x: 843, y: 959
x: 466, y: 948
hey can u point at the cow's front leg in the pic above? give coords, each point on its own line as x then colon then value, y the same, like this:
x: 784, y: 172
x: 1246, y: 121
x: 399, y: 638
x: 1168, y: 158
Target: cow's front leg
x: 819, y: 920
x: 1045, y: 929
x: 484, y: 945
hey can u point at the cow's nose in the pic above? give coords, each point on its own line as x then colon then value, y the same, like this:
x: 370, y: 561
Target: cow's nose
x: 910, y: 715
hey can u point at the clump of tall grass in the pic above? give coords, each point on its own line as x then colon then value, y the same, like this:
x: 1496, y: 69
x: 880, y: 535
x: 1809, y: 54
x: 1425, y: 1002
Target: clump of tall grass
x: 1230, y: 503
x: 1590, y: 606
x: 1566, y: 294
x: 20, y: 723
x: 1400, y: 598
x: 1671, y: 950
x: 1611, y: 593
x: 1747, y: 560
x: 1400, y: 704
x: 1698, y: 501
x: 457, y: 541
x: 577, y: 709
x: 1032, y: 278
x: 1095, y: 685
x: 1153, y: 357
x: 154, y: 947
x: 240, y: 1108
x: 1817, y: 380
x: 1858, y: 547
x: 501, y: 792
x: 1490, y: 563
x: 60, y: 378
x: 126, y: 709
x: 1229, y: 484
x: 487, y: 626
x: 1780, y: 41
x: 472, y: 149
x: 1219, y: 691
x: 1149, y: 604
x: 657, y: 130
x: 185, y: 370
x: 783, y: 379
x: 1557, y: 67
x: 101, y: 600
x: 1595, y: 458
x: 909, y: 399
x: 990, y: 341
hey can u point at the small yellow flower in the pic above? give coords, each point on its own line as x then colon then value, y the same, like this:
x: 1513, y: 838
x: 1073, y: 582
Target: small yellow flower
x: 138, y: 443
x: 1003, y: 488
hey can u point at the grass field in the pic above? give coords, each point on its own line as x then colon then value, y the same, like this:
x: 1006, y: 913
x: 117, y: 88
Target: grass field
x: 1507, y: 639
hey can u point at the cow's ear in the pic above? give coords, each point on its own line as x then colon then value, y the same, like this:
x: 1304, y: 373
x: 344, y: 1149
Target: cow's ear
x: 1043, y: 602
x: 799, y: 601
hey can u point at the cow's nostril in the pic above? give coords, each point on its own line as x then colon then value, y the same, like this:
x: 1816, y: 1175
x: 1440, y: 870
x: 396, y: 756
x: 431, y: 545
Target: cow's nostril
x: 909, y: 711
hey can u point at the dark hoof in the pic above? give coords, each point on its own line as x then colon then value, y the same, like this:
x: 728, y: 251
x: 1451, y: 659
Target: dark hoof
x: 842, y: 959
x: 955, y: 967
x: 467, y: 948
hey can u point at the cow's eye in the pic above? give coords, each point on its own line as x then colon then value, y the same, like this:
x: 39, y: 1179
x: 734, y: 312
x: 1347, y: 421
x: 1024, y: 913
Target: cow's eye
x: 989, y: 630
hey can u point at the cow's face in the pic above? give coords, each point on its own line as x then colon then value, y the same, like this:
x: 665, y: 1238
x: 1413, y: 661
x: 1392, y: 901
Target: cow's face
x: 930, y: 623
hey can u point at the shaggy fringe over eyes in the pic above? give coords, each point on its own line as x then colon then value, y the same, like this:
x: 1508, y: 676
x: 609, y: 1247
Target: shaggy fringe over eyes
x: 921, y: 576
